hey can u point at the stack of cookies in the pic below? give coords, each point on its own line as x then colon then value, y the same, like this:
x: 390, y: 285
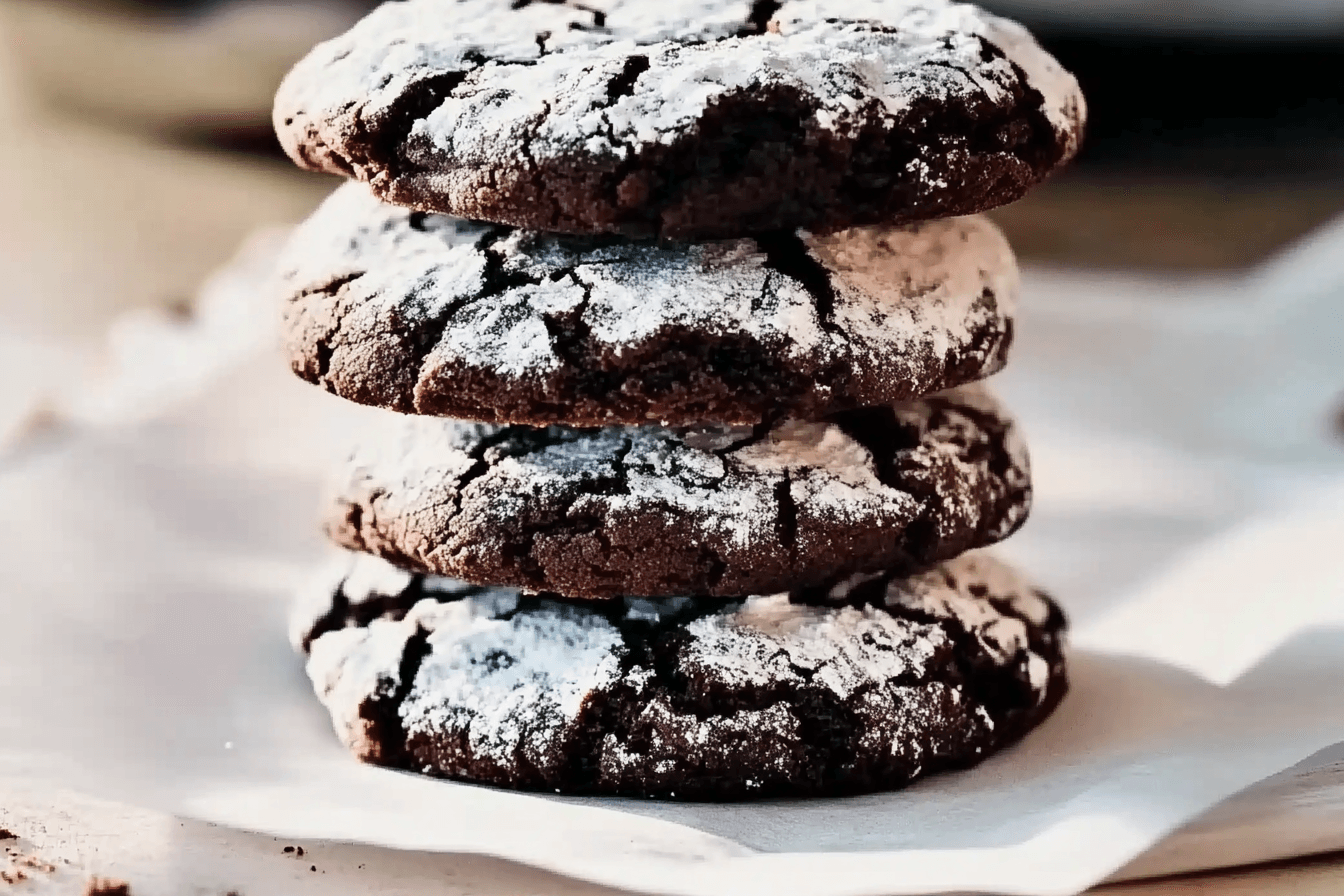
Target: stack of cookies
x: 685, y: 337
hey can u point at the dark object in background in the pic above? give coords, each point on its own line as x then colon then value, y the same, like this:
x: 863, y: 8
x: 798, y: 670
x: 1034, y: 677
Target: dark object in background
x: 103, y: 886
x: 1211, y: 87
x: 1212, y: 106
x: 1254, y: 19
x: 1215, y: 131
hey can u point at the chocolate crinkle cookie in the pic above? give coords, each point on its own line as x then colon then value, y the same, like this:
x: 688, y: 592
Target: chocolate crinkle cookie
x: 435, y: 315
x: 684, y: 119
x: 708, y: 511
x: 864, y: 686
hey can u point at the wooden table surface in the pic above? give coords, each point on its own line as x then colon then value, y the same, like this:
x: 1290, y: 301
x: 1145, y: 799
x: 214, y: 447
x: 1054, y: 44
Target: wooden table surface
x: 99, y: 221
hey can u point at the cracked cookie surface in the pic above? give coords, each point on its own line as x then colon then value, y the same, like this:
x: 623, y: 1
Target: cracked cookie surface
x: 684, y: 119
x: 710, y: 510
x: 862, y: 687
x: 431, y: 314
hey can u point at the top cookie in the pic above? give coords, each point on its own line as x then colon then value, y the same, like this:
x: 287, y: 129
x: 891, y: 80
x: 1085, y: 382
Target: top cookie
x: 684, y: 119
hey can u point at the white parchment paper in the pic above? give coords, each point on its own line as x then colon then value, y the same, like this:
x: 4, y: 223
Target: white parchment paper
x: 1188, y: 515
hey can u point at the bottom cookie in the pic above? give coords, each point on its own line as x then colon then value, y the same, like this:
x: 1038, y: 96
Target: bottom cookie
x: 862, y: 687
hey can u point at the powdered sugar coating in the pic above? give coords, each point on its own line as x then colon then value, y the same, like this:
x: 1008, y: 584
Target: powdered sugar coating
x: 988, y: 599
x: 436, y: 315
x: 647, y: 510
x: 353, y: 667
x: 466, y: 106
x: 696, y: 699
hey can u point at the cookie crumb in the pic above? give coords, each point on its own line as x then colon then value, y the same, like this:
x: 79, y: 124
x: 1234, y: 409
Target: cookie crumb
x: 7, y: 834
x: 289, y: 849
x: 298, y: 851
x: 21, y: 867
x: 106, y: 886
x: 180, y: 310
x: 314, y: 868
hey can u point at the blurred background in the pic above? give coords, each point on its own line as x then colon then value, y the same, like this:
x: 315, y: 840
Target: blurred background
x: 136, y: 150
